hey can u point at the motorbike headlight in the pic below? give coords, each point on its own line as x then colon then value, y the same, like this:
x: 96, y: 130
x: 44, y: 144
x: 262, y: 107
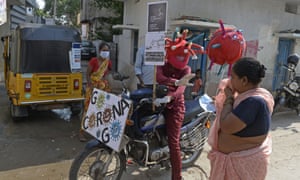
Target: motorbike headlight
x: 293, y: 86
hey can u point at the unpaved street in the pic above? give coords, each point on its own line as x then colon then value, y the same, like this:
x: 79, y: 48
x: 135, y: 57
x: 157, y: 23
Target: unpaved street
x: 43, y: 147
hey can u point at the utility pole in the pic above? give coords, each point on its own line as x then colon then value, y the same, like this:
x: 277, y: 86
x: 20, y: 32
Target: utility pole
x: 54, y: 10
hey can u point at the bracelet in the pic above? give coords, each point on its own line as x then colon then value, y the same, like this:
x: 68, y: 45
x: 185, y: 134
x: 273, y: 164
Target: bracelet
x: 176, y: 82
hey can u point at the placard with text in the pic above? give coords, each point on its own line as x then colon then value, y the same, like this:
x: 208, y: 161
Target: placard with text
x: 106, y: 117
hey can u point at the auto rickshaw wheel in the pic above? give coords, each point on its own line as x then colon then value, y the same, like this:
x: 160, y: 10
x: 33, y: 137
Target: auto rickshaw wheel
x: 77, y: 108
x: 18, y: 113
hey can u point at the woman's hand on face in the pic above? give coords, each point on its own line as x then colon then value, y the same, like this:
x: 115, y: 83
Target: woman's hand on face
x: 228, y: 92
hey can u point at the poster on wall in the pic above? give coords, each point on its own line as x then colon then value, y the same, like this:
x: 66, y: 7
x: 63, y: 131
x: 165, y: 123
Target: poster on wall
x: 157, y: 16
x: 106, y: 117
x: 3, y: 15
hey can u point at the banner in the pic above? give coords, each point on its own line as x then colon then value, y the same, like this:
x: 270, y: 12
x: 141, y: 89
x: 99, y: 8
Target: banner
x: 106, y: 118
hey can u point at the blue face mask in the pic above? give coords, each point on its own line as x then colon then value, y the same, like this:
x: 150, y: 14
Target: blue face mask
x: 104, y: 54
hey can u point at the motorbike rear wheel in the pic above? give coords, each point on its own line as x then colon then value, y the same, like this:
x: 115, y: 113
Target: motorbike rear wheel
x: 90, y: 164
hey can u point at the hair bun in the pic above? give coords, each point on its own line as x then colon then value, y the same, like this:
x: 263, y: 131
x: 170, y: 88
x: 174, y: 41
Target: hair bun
x: 262, y: 71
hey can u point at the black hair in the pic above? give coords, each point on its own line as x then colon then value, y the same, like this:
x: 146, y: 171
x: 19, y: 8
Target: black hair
x: 103, y: 44
x: 251, y: 68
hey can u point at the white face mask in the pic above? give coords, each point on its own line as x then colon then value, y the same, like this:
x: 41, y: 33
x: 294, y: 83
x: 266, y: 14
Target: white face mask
x: 104, y: 54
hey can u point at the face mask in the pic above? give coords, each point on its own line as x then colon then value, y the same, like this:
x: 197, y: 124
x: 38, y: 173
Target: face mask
x: 104, y: 54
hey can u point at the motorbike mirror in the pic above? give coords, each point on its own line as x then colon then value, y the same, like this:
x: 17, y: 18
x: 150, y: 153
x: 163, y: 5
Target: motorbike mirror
x: 288, y: 68
x: 118, y: 76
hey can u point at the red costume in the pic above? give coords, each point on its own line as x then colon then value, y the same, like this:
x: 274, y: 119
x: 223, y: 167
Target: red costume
x: 178, y: 52
x: 226, y: 46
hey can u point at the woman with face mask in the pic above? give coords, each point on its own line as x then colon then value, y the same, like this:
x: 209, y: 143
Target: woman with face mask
x: 97, y: 69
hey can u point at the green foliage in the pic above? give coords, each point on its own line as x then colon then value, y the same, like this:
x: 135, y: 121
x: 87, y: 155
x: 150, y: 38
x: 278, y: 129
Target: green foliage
x: 116, y: 6
x: 105, y: 31
x: 66, y: 10
x: 40, y: 12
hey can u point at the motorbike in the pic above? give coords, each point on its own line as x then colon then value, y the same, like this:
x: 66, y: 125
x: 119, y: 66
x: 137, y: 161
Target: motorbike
x: 288, y: 95
x: 144, y: 140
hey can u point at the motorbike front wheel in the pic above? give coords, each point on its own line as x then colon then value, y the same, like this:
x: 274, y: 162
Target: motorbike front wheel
x: 189, y: 158
x: 99, y: 163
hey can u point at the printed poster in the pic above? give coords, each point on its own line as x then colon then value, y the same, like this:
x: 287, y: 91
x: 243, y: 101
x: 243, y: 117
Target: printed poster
x: 155, y: 48
x: 106, y: 118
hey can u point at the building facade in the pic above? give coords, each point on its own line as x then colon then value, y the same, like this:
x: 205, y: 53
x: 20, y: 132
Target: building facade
x: 268, y: 27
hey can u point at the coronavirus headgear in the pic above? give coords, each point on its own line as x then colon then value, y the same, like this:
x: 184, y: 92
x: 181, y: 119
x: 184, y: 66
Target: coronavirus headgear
x: 178, y: 50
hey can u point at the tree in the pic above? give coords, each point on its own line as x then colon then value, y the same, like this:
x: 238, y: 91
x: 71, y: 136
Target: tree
x: 66, y: 11
x: 105, y: 31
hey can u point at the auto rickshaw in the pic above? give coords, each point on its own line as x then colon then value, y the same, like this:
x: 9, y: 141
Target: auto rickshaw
x: 37, y: 69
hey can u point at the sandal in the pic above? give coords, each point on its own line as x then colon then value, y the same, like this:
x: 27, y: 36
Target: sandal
x: 82, y: 136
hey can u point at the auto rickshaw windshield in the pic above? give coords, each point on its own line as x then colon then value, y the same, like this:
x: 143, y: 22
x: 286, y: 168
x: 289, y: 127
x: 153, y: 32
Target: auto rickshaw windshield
x: 46, y: 49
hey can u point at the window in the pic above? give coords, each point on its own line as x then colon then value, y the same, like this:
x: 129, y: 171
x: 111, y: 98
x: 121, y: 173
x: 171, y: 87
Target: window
x: 291, y: 8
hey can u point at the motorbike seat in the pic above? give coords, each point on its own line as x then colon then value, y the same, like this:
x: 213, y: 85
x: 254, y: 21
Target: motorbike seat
x: 192, y: 108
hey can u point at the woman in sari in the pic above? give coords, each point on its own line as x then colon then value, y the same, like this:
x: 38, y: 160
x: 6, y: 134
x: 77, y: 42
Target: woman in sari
x: 239, y: 139
x: 97, y: 69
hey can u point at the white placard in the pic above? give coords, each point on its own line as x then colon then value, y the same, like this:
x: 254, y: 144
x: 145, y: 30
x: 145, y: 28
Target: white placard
x: 155, y: 48
x: 76, y: 56
x: 106, y: 118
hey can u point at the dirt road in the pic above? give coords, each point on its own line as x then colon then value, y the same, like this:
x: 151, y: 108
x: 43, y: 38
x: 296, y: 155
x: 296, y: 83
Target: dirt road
x: 43, y: 147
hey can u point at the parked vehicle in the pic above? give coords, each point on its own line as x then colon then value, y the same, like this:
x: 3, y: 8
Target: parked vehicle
x: 88, y: 50
x: 37, y: 69
x: 145, y: 138
x: 288, y: 95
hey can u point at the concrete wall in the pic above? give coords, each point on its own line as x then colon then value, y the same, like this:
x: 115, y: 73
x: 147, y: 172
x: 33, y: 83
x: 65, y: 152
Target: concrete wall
x: 259, y: 20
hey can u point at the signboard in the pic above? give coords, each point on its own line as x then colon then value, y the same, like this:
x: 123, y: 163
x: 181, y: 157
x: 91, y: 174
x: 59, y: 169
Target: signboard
x: 84, y: 31
x: 155, y: 37
x: 76, y: 56
x: 106, y: 117
x: 3, y: 14
x: 155, y: 48
x: 157, y: 16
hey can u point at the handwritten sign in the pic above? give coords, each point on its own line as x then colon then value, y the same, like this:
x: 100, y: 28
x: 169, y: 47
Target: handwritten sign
x: 106, y: 117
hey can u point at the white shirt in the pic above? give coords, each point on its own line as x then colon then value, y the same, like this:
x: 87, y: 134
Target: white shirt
x: 145, y: 71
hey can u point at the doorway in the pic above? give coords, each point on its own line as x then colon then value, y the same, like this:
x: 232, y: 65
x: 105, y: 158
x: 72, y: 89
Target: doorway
x: 280, y: 74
